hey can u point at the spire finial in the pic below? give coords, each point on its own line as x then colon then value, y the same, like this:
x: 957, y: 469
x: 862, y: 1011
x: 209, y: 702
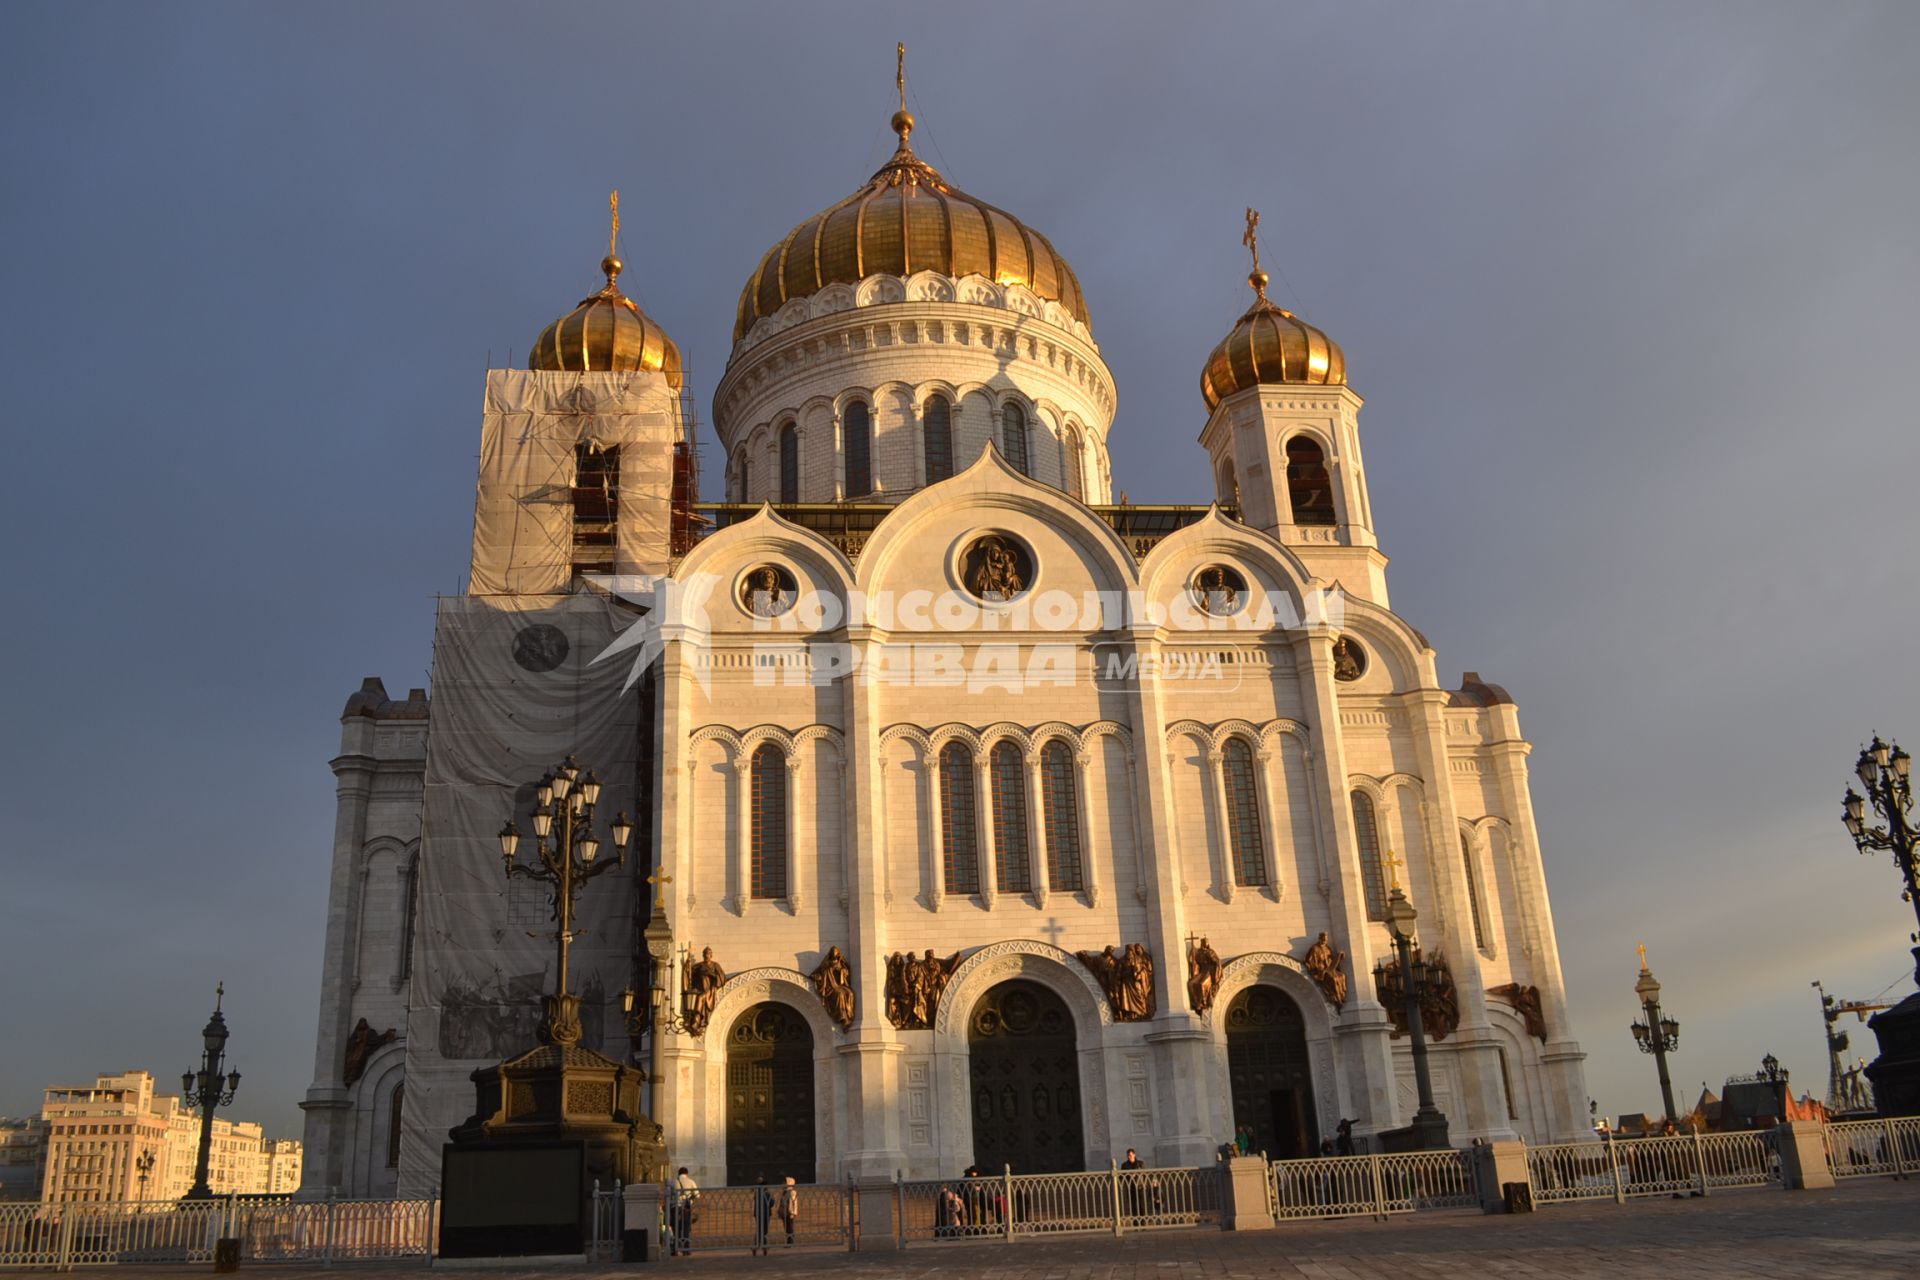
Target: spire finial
x: 902, y: 119
x: 1392, y: 863
x: 1257, y: 278
x: 611, y: 264
x: 1643, y: 957
x: 219, y: 994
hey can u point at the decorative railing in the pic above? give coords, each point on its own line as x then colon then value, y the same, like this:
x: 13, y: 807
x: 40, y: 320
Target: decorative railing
x: 1013, y: 1206
x: 1866, y: 1148
x: 277, y: 1229
x: 1676, y: 1165
x: 1375, y: 1185
x: 755, y: 1217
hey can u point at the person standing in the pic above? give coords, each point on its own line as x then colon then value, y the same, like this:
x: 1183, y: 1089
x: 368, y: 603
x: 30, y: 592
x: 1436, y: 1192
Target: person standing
x: 685, y: 1192
x: 789, y: 1208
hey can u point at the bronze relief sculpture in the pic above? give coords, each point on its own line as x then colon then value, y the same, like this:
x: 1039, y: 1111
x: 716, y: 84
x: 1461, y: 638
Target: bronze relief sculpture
x: 833, y: 982
x: 914, y: 987
x: 1127, y: 978
x: 1328, y: 969
x: 360, y: 1047
x: 1203, y: 976
x: 700, y: 984
x: 1526, y: 1001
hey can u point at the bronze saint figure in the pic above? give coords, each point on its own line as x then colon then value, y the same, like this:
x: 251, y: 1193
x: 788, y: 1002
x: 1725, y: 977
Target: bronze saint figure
x: 833, y: 983
x: 914, y: 987
x: 1526, y: 1000
x: 360, y: 1047
x: 1327, y: 968
x: 998, y: 577
x: 700, y: 985
x: 1203, y: 976
x: 1126, y: 977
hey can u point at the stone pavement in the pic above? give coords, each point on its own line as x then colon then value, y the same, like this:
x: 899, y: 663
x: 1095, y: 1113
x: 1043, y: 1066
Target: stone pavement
x: 1862, y: 1229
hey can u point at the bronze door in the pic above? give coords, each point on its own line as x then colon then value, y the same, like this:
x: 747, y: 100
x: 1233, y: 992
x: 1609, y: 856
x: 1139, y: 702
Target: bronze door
x: 1267, y: 1067
x: 1025, y: 1078
x: 770, y: 1108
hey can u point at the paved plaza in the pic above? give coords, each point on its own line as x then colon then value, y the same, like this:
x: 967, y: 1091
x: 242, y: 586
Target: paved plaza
x: 1864, y: 1229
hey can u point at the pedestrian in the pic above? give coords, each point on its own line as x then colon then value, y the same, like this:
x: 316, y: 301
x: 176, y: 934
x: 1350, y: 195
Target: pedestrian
x: 1343, y: 1145
x: 1136, y: 1199
x: 762, y: 1213
x: 789, y: 1209
x: 953, y: 1211
x: 685, y: 1192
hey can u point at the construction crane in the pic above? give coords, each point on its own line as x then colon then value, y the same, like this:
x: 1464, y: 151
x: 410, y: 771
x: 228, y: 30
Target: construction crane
x: 1846, y: 1091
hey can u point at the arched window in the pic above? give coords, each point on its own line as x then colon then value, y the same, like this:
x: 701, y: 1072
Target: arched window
x: 394, y: 1105
x: 789, y: 463
x: 959, y: 834
x: 1060, y: 806
x: 740, y: 475
x: 1013, y: 437
x: 1243, y: 814
x: 1473, y: 892
x: 769, y: 862
x: 1012, y: 872
x: 936, y: 422
x: 1076, y: 460
x: 1308, y: 486
x: 1228, y: 484
x: 856, y: 425
x: 1372, y: 874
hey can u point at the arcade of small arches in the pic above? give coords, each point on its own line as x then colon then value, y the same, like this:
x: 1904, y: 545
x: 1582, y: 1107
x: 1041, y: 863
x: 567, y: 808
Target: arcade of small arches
x: 946, y: 427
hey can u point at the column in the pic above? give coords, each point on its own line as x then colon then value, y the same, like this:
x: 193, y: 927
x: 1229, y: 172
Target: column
x: 1089, y: 865
x: 803, y: 839
x: 986, y: 846
x: 1264, y: 793
x: 1223, y: 872
x: 936, y: 844
x: 742, y: 877
x: 1037, y: 868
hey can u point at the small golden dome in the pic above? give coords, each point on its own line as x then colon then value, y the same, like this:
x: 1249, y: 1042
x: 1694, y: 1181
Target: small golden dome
x: 906, y: 218
x: 1272, y: 345
x: 607, y: 332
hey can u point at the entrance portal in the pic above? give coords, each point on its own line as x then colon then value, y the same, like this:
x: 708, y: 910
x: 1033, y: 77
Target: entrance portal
x: 1025, y: 1078
x: 770, y: 1110
x: 1267, y: 1066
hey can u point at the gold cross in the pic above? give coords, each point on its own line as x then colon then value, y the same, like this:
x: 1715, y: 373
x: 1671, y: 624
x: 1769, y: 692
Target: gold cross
x: 658, y: 879
x: 1393, y: 865
x: 900, y: 72
x: 1252, y: 238
x: 613, y: 236
x: 1643, y: 957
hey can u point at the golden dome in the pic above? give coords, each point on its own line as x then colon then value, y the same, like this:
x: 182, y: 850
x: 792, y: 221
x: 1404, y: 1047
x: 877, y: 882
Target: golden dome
x: 1270, y: 345
x: 906, y: 218
x: 607, y: 332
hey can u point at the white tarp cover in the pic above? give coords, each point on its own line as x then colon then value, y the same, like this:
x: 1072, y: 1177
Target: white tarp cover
x: 513, y: 695
x: 523, y: 512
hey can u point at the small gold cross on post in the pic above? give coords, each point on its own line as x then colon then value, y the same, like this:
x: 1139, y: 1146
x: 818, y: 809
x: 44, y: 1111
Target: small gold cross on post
x: 1643, y: 957
x: 659, y: 880
x: 1257, y: 278
x: 613, y: 235
x: 1393, y: 865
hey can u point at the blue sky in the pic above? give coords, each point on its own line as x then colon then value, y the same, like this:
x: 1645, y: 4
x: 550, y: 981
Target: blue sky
x: 1628, y: 289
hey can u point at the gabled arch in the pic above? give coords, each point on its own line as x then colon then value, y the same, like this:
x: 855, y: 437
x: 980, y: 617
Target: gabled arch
x: 726, y: 552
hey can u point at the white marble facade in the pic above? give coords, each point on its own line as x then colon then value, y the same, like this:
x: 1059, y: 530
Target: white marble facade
x: 894, y: 664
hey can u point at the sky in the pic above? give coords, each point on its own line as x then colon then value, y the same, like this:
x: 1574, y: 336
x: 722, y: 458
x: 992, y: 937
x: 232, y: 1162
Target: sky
x: 1628, y: 290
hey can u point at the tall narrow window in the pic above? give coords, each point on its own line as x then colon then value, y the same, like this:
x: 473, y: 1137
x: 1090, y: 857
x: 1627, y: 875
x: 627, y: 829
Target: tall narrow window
x: 1228, y: 485
x: 856, y: 426
x: 1013, y: 433
x: 409, y: 903
x: 936, y: 421
x: 1372, y: 874
x: 1473, y: 892
x: 1075, y: 461
x: 1308, y: 486
x: 596, y: 506
x: 1061, y: 808
x: 394, y: 1105
x: 959, y: 820
x: 1243, y: 814
x: 769, y: 869
x: 789, y: 463
x: 1506, y: 1083
x: 740, y: 475
x: 1012, y: 872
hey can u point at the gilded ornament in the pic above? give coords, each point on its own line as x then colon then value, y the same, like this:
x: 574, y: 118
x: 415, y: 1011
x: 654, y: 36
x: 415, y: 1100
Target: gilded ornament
x: 1526, y: 1001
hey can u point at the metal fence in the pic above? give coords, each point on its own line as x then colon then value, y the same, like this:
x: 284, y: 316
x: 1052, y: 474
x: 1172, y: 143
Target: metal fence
x: 1677, y: 1165
x: 609, y: 1213
x: 763, y: 1216
x: 1010, y: 1207
x: 1866, y: 1148
x: 280, y: 1229
x: 1372, y: 1185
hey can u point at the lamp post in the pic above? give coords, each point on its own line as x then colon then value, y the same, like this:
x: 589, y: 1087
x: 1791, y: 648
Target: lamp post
x: 1884, y: 771
x: 1429, y: 1128
x: 1659, y: 1035
x: 656, y: 1018
x: 206, y: 1092
x: 567, y: 853
x: 144, y: 1165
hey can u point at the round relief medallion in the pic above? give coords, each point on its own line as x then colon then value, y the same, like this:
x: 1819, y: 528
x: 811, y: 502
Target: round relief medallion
x: 1218, y: 590
x: 540, y: 647
x: 1349, y: 659
x: 768, y: 590
x: 996, y: 567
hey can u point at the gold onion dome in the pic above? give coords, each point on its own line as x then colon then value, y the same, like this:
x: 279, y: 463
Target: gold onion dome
x: 906, y: 218
x: 1270, y: 345
x: 607, y: 333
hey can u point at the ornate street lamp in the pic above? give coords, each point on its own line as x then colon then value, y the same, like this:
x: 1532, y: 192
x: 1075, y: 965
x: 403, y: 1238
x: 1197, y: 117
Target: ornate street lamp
x: 568, y: 856
x: 1429, y: 1128
x: 1659, y: 1034
x: 1884, y: 770
x: 145, y: 1167
x: 206, y: 1092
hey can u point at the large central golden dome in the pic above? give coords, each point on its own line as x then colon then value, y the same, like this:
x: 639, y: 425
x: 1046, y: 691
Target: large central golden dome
x: 906, y: 218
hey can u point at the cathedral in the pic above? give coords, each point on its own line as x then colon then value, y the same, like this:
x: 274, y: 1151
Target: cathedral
x: 979, y: 815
